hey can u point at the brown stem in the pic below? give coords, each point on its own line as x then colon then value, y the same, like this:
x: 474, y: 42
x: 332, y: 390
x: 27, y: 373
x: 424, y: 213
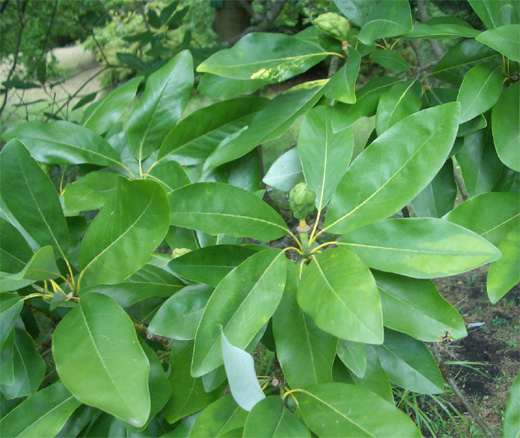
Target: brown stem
x: 447, y: 375
x: 460, y: 183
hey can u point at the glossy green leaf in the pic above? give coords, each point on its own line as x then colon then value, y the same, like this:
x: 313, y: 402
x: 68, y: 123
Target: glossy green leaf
x: 264, y: 56
x: 170, y: 174
x: 99, y: 359
x: 269, y: 123
x: 188, y: 395
x: 241, y: 375
x: 504, y: 39
x: 90, y: 192
x: 42, y: 414
x: 198, y: 135
x: 10, y: 307
x: 438, y: 197
x: 409, y: 364
x: 479, y: 90
x: 220, y: 87
x: 7, y: 359
x: 150, y: 281
x: 378, y: 183
x: 353, y: 355
x: 374, y: 378
x: 460, y: 58
x: 420, y: 247
x: 475, y: 124
x: 390, y: 60
x: 416, y: 307
x: 512, y: 416
x: 103, y: 114
x: 242, y: 304
x: 216, y: 208
x: 342, y: 85
x: 28, y: 366
x: 434, y: 30
x: 488, y: 11
x: 31, y: 198
x: 325, y: 155
x: 123, y: 235
x: 397, y: 103
x: 166, y: 94
x: 270, y: 418
x: 388, y: 19
x: 341, y: 410
x: 15, y: 252
x: 343, y: 302
x: 504, y: 274
x: 211, y: 264
x: 509, y: 181
x: 479, y: 162
x: 305, y: 352
x: 219, y: 418
x: 285, y: 172
x: 63, y: 143
x: 344, y: 116
x: 491, y: 215
x: 179, y: 317
x: 506, y: 126
x: 357, y: 11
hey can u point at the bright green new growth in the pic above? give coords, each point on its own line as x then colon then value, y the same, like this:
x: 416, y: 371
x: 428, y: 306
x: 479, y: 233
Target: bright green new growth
x: 301, y: 200
x: 333, y: 24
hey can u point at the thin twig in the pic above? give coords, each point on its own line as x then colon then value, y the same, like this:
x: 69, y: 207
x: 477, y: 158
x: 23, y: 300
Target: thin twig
x: 460, y: 183
x: 423, y: 13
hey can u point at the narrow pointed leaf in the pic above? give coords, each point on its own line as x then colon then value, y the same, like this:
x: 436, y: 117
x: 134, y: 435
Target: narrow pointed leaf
x: 285, y: 172
x: 377, y: 184
x: 342, y: 85
x: 506, y: 127
x: 216, y: 208
x: 123, y: 235
x: 512, y: 416
x: 166, y: 94
x: 242, y: 304
x: 397, y: 103
x: 504, y: 39
x: 343, y: 302
x: 390, y: 60
x: 340, y: 410
x: 99, y: 359
x: 488, y: 11
x: 42, y: 414
x: 388, y: 19
x: 353, y: 355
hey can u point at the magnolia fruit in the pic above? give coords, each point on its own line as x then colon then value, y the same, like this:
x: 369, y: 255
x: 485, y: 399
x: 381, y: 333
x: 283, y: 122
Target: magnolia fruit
x: 301, y: 200
x: 333, y: 24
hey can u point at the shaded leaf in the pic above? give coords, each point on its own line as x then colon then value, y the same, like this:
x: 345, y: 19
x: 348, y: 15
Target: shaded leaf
x: 506, y: 126
x: 342, y: 85
x: 285, y: 172
x: 387, y: 19
x: 390, y: 60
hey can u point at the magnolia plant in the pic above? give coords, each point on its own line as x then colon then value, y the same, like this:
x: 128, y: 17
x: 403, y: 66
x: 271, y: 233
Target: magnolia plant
x: 243, y: 324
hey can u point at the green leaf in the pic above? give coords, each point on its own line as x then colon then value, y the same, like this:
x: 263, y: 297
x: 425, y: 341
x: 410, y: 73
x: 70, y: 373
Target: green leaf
x: 331, y: 295
x: 7, y: 359
x: 15, y: 252
x: 416, y: 307
x: 270, y: 418
x: 340, y: 410
x: 512, y: 416
x: 460, y: 58
x: 388, y: 19
x: 90, y: 192
x: 390, y: 60
x: 504, y: 274
x: 211, y: 264
x: 378, y: 183
x: 179, y: 317
x: 123, y: 235
x: 357, y: 11
x: 220, y: 87
x: 505, y: 40
x: 353, y: 355
x: 104, y: 114
x: 305, y: 352
x: 199, y: 134
x: 264, y: 56
x: 434, y: 30
x: 28, y: 366
x: 479, y: 91
x: 410, y: 364
x: 242, y: 304
x: 216, y: 208
x: 344, y: 116
x: 219, y: 418
x: 475, y: 124
x: 375, y: 378
x: 269, y: 123
x: 170, y: 174
x: 10, y: 307
x: 419, y: 247
x: 438, y: 197
x: 188, y: 394
x: 397, y: 103
x: 325, y: 155
x: 98, y: 358
x: 342, y: 85
x: 42, y: 414
x: 31, y: 198
x: 63, y: 143
x: 166, y: 94
x: 491, y: 215
x: 478, y: 160
x: 488, y: 11
x: 506, y: 126
x: 84, y: 100
x: 241, y: 375
x: 285, y: 172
